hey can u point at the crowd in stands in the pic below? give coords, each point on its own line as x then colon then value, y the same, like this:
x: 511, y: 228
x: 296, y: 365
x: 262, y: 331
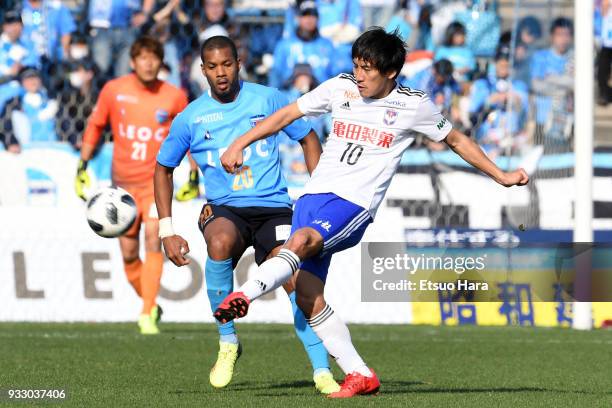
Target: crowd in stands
x: 507, y: 90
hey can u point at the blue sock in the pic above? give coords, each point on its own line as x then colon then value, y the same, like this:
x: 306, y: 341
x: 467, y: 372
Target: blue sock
x: 220, y: 283
x: 312, y: 344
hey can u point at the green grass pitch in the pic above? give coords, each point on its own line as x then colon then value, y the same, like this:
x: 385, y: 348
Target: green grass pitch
x: 111, y: 365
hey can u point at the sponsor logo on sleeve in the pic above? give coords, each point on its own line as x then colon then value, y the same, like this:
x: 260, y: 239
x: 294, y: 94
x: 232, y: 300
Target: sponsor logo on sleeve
x: 254, y: 120
x: 441, y: 124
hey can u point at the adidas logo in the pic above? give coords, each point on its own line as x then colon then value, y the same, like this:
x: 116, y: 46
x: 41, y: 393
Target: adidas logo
x: 261, y: 285
x: 346, y: 105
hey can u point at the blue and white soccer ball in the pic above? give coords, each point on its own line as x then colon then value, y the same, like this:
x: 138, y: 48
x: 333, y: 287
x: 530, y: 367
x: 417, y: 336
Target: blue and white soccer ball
x: 111, y: 211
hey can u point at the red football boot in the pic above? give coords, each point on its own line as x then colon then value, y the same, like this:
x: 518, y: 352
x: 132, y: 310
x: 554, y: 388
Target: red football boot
x: 357, y: 384
x: 235, y: 305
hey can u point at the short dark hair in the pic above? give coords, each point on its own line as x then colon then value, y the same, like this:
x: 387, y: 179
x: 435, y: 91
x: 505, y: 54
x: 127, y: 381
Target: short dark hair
x: 562, y: 22
x: 147, y: 43
x: 453, y: 28
x: 444, y: 68
x: 219, y: 42
x: 385, y: 51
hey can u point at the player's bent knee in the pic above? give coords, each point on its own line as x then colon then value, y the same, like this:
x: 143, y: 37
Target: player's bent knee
x: 220, y: 246
x: 305, y: 242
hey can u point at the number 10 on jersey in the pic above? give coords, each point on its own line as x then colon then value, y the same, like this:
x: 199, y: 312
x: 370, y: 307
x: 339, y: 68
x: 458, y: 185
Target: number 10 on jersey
x: 351, y: 154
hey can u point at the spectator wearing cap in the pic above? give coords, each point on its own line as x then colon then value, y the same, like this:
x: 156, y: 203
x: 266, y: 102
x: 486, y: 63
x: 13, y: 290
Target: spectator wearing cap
x: 30, y: 116
x: 306, y: 46
x: 340, y: 21
x: 456, y: 51
x: 76, y: 101
x: 48, y: 26
x: 499, y: 104
x: 551, y: 69
x: 114, y: 26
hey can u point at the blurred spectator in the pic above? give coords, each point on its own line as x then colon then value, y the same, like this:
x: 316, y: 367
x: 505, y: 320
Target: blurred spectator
x: 605, y: 55
x: 114, y: 25
x: 215, y: 14
x: 30, y: 116
x: 14, y: 54
x: 76, y: 101
x: 552, y: 76
x: 498, y: 107
x: 305, y: 46
x: 215, y: 20
x: 79, y: 47
x: 438, y: 82
x: 482, y: 25
x: 402, y: 22
x: 158, y: 26
x: 301, y: 81
x: 424, y: 40
x: 529, y: 32
x: 341, y: 21
x: 48, y: 26
x: 377, y: 12
x: 454, y: 49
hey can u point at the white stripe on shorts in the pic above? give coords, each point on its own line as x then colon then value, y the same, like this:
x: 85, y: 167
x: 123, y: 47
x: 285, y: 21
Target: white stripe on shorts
x: 346, y: 231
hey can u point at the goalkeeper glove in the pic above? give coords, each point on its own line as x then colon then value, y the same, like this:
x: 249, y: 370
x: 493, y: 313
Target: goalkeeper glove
x: 191, y: 189
x: 82, y: 180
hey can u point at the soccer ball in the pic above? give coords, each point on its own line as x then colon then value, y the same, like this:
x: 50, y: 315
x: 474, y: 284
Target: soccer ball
x: 111, y: 211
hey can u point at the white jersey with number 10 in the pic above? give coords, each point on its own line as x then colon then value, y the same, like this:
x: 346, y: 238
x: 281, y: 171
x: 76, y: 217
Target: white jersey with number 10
x: 368, y: 137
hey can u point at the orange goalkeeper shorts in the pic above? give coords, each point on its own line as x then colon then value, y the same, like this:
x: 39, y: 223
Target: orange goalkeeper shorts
x: 145, y: 204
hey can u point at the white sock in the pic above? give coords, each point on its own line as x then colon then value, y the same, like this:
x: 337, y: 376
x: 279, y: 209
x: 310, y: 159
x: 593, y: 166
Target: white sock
x: 337, y: 340
x: 271, y: 274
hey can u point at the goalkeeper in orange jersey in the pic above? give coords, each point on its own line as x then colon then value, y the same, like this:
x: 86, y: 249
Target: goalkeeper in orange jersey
x: 140, y: 109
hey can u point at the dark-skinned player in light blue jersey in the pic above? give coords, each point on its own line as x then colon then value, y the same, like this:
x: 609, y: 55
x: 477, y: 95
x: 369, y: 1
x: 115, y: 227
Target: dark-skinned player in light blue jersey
x: 251, y: 208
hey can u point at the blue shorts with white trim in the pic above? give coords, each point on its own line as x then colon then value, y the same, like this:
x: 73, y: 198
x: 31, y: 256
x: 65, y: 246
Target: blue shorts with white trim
x: 341, y: 223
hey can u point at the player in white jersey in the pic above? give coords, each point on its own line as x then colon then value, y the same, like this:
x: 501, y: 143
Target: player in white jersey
x: 373, y: 119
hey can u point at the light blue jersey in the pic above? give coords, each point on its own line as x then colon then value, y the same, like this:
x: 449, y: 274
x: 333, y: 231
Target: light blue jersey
x: 207, y: 127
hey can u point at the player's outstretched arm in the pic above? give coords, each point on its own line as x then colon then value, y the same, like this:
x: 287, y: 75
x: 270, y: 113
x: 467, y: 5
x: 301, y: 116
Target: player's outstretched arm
x: 232, y: 159
x: 473, y: 154
x: 174, y: 245
x: 312, y: 150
